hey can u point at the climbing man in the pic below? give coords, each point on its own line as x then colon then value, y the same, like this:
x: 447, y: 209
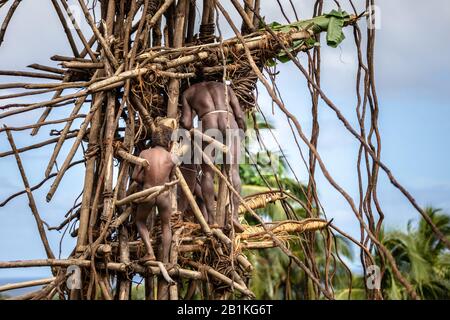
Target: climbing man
x: 218, y: 109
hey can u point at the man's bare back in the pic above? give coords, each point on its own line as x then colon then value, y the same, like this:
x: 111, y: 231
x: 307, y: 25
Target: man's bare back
x: 210, y: 98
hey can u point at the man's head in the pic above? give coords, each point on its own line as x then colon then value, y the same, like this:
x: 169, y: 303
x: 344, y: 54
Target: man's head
x: 162, y: 136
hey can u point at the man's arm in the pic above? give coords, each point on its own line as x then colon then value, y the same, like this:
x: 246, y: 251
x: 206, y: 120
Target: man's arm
x: 237, y: 110
x: 186, y: 117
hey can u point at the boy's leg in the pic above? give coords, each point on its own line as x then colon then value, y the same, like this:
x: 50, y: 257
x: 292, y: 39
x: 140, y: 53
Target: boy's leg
x: 164, y: 204
x: 165, y: 212
x: 142, y: 213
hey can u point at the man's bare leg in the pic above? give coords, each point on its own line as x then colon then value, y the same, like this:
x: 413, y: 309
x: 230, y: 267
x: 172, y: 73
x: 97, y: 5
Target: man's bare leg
x: 201, y: 203
x: 143, y: 211
x: 207, y: 185
x: 233, y: 171
x: 189, y: 172
x: 236, y: 181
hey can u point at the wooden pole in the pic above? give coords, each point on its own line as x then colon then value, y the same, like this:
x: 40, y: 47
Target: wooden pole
x: 197, y: 212
x: 31, y: 202
x: 174, y: 84
x: 89, y: 179
x: 26, y: 284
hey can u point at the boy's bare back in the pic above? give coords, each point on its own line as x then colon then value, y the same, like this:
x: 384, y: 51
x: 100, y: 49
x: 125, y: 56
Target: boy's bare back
x: 159, y: 170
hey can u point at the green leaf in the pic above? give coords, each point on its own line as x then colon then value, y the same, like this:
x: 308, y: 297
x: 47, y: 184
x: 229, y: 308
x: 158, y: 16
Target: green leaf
x: 271, y: 63
x: 334, y: 31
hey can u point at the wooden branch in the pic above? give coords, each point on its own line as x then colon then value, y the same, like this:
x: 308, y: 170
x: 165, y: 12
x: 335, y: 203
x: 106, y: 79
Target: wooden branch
x: 37, y: 186
x: 26, y: 284
x: 223, y: 148
x: 31, y: 202
x: 245, y: 264
x: 74, y: 149
x: 66, y: 28
x: 174, y: 252
x: 87, y: 45
x: 98, y: 35
x: 46, y: 68
x: 245, y: 17
x: 159, y: 13
x: 26, y: 296
x: 31, y: 126
x: 31, y: 74
x: 7, y: 19
x: 114, y: 266
x: 37, y: 145
x: 79, y: 84
x: 110, y: 126
x: 82, y: 65
x: 174, y: 84
x: 124, y: 284
x: 62, y: 138
x: 100, y: 85
x: 131, y: 158
x: 139, y: 195
x: 162, y: 269
x: 143, y: 112
x: 27, y: 93
x: 44, y: 104
x: 70, y: 218
x: 122, y: 218
x: 191, y: 22
x: 60, y: 58
x: 144, y: 194
x: 222, y: 237
x: 194, y: 206
x: 89, y: 178
x: 105, y: 292
x: 175, y: 75
x: 214, y: 273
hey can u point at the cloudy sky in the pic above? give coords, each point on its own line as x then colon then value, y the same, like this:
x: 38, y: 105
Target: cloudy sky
x: 413, y: 77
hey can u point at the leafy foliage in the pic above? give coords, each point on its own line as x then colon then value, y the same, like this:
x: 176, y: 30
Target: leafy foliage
x: 422, y: 257
x: 332, y: 23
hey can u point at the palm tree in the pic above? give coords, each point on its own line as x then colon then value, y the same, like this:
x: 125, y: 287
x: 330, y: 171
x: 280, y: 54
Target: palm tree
x: 421, y: 257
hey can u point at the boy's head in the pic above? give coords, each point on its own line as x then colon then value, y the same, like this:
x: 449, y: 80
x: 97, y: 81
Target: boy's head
x: 162, y: 136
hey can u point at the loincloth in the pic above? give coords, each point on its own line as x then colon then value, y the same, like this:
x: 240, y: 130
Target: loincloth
x: 216, y: 111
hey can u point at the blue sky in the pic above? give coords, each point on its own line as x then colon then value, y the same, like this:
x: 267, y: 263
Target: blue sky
x: 413, y: 77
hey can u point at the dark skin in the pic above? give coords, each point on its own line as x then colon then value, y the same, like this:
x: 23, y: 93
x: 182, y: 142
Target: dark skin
x: 189, y: 172
x: 201, y: 99
x: 158, y: 173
